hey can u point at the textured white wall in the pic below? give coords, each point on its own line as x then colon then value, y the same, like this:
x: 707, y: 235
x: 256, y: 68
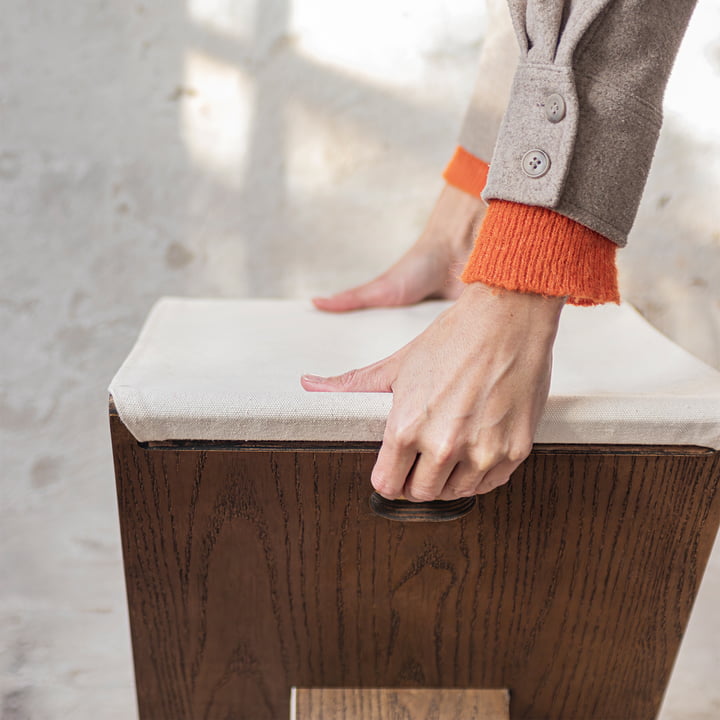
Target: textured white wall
x: 671, y: 267
x: 232, y: 147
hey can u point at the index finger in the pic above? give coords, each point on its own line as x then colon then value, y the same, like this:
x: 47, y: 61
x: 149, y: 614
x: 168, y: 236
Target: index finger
x: 393, y: 465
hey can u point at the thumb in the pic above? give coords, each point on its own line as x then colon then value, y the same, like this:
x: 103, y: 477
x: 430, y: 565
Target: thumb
x: 377, y: 377
x: 376, y: 293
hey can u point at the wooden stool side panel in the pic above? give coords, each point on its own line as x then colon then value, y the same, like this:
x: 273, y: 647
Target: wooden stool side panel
x: 249, y: 572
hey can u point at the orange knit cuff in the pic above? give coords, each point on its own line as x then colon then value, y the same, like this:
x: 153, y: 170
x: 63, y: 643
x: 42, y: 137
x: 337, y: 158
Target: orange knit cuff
x: 466, y: 172
x: 533, y: 249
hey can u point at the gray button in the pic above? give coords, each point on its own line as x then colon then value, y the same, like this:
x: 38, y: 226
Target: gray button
x: 554, y: 108
x: 535, y: 163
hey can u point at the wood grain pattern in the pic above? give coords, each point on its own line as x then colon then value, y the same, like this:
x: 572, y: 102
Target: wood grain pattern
x: 250, y: 571
x: 394, y: 704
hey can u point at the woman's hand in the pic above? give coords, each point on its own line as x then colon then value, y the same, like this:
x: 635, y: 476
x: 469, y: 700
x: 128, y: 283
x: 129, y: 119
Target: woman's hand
x: 468, y: 395
x: 430, y: 267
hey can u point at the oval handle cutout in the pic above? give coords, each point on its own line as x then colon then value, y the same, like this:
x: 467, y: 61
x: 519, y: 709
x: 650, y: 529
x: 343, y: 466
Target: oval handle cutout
x: 433, y: 511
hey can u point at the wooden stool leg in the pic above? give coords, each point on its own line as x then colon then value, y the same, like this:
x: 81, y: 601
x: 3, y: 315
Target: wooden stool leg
x: 394, y: 704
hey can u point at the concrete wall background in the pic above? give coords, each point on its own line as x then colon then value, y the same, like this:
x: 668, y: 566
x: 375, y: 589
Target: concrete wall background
x: 237, y: 148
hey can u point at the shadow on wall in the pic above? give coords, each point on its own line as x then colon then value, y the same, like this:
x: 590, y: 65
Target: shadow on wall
x: 670, y: 269
x: 304, y: 202
x: 153, y: 149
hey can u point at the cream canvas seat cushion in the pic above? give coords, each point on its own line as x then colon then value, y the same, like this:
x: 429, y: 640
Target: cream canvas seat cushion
x: 230, y: 370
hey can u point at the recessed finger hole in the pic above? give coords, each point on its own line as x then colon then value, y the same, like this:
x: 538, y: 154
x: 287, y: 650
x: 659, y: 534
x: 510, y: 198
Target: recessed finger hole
x: 434, y: 511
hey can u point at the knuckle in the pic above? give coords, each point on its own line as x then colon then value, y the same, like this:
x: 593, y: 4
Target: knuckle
x: 349, y: 378
x: 443, y: 451
x: 485, y: 455
x: 519, y: 450
x: 379, y: 481
x: 423, y: 494
x: 464, y: 490
x: 482, y: 458
x: 401, y: 434
x: 382, y: 484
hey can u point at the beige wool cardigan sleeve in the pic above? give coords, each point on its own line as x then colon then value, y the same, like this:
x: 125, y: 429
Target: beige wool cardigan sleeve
x: 583, y: 110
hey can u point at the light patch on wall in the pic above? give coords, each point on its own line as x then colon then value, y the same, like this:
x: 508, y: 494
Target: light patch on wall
x: 230, y: 17
x: 322, y: 150
x: 692, y: 98
x: 388, y: 43
x: 216, y: 115
x: 226, y: 264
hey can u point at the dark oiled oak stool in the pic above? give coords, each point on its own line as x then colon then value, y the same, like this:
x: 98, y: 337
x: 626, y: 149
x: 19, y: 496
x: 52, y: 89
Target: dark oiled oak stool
x: 257, y: 560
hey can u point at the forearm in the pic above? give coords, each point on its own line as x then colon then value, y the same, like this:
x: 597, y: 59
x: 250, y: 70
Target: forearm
x: 554, y: 229
x: 497, y: 63
x: 608, y: 61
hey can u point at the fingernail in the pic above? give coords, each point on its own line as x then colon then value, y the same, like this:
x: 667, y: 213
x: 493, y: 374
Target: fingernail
x: 314, y: 378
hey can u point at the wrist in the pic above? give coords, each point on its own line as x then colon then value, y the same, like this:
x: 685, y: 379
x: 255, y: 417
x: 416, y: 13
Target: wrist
x: 539, y: 313
x: 537, y: 250
x: 454, y: 222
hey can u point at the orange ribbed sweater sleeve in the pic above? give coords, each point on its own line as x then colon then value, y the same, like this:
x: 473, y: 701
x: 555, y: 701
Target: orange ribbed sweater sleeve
x: 534, y: 249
